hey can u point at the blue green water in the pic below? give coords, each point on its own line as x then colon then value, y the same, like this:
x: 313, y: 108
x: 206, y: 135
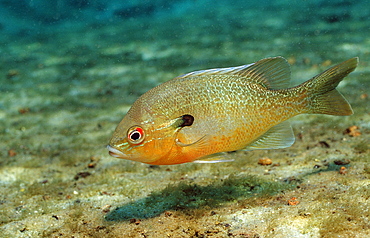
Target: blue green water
x: 172, y: 37
x: 69, y: 71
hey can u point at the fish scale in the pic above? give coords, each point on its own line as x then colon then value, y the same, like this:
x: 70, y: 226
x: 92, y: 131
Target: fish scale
x: 244, y: 107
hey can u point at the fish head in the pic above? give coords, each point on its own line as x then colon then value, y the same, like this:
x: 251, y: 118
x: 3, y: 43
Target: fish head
x: 144, y: 136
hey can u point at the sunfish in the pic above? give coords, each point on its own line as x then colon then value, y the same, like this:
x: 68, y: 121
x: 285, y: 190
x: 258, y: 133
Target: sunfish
x: 197, y: 116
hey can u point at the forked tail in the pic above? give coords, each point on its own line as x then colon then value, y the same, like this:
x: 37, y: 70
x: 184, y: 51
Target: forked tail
x: 322, y: 95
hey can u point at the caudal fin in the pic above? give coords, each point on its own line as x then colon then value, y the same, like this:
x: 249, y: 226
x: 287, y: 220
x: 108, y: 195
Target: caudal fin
x: 324, y: 98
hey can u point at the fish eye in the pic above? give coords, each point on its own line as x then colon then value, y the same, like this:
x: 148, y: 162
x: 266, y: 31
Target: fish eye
x: 135, y: 135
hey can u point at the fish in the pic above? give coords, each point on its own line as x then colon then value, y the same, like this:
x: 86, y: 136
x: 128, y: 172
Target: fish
x: 201, y: 116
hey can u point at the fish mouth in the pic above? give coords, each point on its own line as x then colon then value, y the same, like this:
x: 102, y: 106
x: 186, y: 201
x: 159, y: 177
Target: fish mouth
x: 116, y: 153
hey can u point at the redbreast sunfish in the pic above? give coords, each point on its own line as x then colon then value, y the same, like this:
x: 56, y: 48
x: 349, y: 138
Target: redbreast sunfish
x: 197, y: 116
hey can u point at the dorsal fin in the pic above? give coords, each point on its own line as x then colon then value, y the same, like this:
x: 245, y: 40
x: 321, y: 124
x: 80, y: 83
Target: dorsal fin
x: 273, y: 73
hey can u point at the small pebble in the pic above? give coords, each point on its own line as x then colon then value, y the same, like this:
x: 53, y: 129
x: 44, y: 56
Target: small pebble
x: 12, y: 153
x: 342, y: 170
x: 265, y: 161
x: 23, y: 110
x: 12, y: 73
x: 293, y: 201
x: 342, y: 161
x: 364, y: 96
x: 106, y: 208
x: 324, y: 144
x: 135, y: 221
x: 81, y: 175
x: 168, y: 213
x: 352, y: 131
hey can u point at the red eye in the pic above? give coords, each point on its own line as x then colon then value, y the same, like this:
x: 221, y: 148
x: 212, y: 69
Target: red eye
x: 135, y: 135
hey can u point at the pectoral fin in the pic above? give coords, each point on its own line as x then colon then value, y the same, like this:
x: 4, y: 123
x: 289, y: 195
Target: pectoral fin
x: 197, y: 143
x: 202, y: 144
x: 279, y: 136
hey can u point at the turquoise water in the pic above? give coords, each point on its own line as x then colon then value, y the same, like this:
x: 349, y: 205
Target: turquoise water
x: 71, y: 69
x: 77, y: 45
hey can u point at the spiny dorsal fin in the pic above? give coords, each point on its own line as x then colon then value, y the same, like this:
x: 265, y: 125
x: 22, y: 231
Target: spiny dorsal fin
x: 273, y: 73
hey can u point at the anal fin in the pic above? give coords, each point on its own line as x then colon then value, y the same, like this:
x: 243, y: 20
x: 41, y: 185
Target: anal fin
x: 197, y: 143
x: 279, y: 136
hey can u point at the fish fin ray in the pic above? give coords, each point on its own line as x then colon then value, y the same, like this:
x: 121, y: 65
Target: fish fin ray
x: 217, y: 71
x: 273, y: 73
x: 324, y: 98
x: 201, y: 141
x: 214, y: 158
x: 279, y: 136
x: 200, y: 145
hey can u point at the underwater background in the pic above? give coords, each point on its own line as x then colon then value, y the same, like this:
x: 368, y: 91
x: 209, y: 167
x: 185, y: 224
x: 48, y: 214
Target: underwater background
x: 70, y: 70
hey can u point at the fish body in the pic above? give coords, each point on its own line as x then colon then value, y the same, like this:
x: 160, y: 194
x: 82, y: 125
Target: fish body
x: 196, y: 116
